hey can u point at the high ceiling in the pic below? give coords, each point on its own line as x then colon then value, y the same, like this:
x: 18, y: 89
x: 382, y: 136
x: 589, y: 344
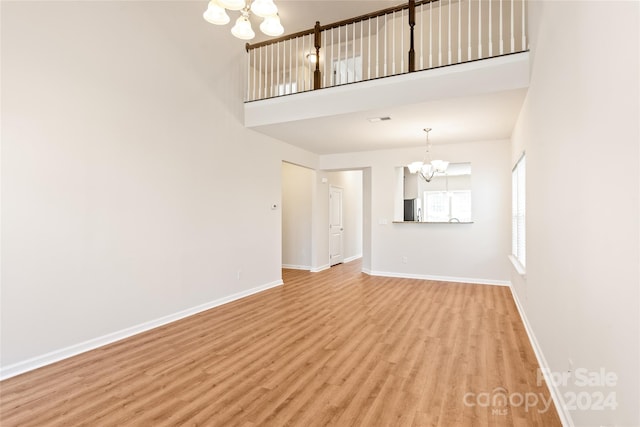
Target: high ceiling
x: 476, y: 117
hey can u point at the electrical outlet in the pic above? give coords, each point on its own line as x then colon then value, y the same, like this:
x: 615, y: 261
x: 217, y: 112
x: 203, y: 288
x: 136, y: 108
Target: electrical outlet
x: 239, y: 274
x: 404, y: 260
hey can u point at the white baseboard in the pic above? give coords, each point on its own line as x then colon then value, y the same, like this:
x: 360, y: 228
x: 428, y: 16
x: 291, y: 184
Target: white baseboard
x: 73, y: 350
x: 296, y: 267
x: 439, y: 278
x: 351, y: 258
x: 321, y: 268
x: 556, y: 395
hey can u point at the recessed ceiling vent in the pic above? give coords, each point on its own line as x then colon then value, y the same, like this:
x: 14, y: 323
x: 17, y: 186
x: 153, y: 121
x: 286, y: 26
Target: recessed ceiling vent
x: 379, y: 119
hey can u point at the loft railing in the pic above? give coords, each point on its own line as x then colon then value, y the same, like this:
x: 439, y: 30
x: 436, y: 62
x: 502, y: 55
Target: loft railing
x: 416, y: 36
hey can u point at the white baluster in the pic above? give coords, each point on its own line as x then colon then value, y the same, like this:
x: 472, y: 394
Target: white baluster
x: 333, y: 66
x: 479, y: 29
x: 430, y: 34
x: 490, y: 33
x: 369, y: 54
x: 422, y: 36
x: 255, y: 72
x: 277, y: 69
x: 393, y: 45
x: 338, y: 72
x: 248, y: 76
x: 260, y: 69
x: 469, y: 56
x: 353, y: 50
x: 304, y: 64
x: 361, y: 48
x: 253, y: 77
x: 501, y: 39
x: 459, y: 32
x: 377, y: 47
x: 323, y: 43
x: 449, y: 38
x: 439, y: 33
x: 524, y: 37
x: 385, y: 45
x: 402, y: 53
x: 297, y: 64
x: 284, y: 67
x: 311, y: 66
x: 272, y: 56
x: 513, y: 39
x: 290, y: 66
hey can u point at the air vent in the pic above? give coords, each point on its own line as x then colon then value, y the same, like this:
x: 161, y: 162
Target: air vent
x: 379, y: 119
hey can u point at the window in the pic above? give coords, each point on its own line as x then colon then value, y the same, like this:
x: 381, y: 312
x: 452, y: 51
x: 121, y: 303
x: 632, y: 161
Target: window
x: 446, y: 206
x: 518, y: 212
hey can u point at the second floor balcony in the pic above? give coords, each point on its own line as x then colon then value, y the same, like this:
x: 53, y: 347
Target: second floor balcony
x: 414, y: 36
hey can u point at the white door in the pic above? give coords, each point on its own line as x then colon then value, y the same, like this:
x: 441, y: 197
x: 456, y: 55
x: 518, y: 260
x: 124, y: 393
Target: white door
x: 336, y: 228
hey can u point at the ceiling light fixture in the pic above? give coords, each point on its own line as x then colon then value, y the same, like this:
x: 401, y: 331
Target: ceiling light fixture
x: 427, y: 168
x: 216, y: 14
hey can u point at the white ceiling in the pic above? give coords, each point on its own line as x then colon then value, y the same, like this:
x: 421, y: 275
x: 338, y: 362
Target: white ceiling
x: 476, y: 117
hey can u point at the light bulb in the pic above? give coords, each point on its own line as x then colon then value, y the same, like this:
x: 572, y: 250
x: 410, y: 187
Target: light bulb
x: 242, y: 29
x: 414, y: 167
x: 215, y: 14
x: 440, y: 166
x: 271, y: 26
x: 264, y: 8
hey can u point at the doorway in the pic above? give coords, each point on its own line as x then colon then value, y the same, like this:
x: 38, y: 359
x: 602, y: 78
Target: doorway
x: 336, y: 226
x: 306, y: 243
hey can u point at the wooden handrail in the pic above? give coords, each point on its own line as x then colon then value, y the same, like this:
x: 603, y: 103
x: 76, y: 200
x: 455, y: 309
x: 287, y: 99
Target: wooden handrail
x: 338, y: 24
x: 250, y: 46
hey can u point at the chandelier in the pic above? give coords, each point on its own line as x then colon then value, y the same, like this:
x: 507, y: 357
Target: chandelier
x: 216, y: 13
x: 427, y: 168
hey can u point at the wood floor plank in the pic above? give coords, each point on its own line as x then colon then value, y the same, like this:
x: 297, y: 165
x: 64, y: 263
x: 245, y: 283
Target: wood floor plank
x: 334, y: 348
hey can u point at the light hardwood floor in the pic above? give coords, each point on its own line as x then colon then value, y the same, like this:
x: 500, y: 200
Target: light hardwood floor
x: 332, y: 348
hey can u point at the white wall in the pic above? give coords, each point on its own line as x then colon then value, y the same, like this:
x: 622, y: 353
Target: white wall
x: 296, y: 216
x: 351, y: 184
x: 469, y: 252
x: 121, y: 131
x: 579, y: 128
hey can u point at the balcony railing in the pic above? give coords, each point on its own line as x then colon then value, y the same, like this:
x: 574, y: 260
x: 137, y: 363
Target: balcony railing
x: 419, y: 35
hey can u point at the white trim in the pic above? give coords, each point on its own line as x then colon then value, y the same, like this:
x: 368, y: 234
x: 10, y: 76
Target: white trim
x: 296, y: 267
x: 351, y: 258
x: 321, y: 268
x: 439, y: 278
x: 519, y: 268
x: 73, y: 350
x: 556, y: 395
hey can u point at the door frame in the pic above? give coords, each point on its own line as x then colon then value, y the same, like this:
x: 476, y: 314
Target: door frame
x: 332, y: 231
